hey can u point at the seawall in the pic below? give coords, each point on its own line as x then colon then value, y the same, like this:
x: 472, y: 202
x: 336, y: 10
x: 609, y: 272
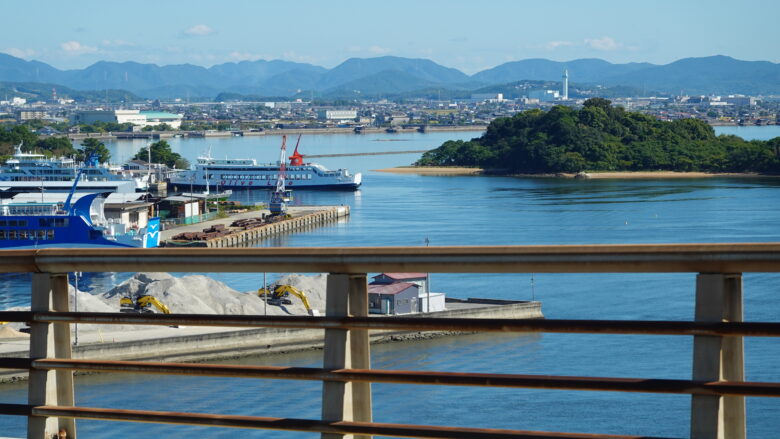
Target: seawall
x: 208, y: 344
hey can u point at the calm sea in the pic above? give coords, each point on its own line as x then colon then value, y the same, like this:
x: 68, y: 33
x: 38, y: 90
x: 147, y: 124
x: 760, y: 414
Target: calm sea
x: 395, y: 209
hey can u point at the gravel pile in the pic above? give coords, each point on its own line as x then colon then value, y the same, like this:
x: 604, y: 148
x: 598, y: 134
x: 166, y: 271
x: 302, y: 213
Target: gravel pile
x: 198, y: 295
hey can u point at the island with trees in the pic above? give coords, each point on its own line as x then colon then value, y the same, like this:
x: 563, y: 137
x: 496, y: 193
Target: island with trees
x: 602, y: 137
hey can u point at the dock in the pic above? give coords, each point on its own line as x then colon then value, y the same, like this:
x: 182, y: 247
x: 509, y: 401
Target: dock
x: 301, y: 217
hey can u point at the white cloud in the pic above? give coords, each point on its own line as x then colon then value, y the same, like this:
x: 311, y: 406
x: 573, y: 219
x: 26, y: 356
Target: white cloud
x: 76, y: 48
x: 552, y: 45
x: 379, y: 50
x: 20, y: 53
x: 117, y: 43
x: 603, y: 43
x: 199, y: 30
x: 244, y: 56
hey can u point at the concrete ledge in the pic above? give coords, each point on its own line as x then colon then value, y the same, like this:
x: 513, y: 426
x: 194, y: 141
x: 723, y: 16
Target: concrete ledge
x: 204, y: 344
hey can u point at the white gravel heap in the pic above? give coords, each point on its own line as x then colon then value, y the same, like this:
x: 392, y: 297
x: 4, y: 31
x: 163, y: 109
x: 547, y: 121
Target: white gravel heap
x: 202, y: 295
x: 197, y: 295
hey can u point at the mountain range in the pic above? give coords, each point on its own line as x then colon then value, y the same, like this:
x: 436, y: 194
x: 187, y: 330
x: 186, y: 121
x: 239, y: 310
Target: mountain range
x: 392, y: 76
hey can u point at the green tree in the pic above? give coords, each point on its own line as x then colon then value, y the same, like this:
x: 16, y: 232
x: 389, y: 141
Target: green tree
x: 58, y: 146
x: 94, y: 147
x: 161, y: 153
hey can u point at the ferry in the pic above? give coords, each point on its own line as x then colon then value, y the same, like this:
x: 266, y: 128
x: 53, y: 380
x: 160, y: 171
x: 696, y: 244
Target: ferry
x: 78, y: 225
x: 32, y: 167
x: 248, y: 174
x: 52, y: 225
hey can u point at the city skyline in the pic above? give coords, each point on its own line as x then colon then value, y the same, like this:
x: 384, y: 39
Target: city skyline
x: 462, y: 35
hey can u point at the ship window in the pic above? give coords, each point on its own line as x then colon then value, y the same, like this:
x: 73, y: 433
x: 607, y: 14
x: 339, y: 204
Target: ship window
x: 60, y: 222
x: 2, y: 234
x: 12, y: 223
x: 2, y: 223
x: 40, y: 234
x: 22, y: 234
x: 50, y: 234
x: 22, y: 223
x: 12, y: 234
x: 45, y: 222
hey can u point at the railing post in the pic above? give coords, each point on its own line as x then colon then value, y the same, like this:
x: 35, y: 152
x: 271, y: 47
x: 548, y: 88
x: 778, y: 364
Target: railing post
x: 346, y: 349
x: 50, y: 292
x: 718, y: 299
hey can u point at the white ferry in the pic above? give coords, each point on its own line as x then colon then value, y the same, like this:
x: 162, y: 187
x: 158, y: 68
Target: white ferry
x: 248, y: 174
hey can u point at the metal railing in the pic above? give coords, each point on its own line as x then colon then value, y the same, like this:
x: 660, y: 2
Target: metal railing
x: 717, y: 386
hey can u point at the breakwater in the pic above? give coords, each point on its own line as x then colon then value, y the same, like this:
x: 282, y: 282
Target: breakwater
x: 300, y: 218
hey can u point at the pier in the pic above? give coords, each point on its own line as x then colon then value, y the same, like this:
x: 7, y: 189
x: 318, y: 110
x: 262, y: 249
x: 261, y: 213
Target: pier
x: 300, y: 217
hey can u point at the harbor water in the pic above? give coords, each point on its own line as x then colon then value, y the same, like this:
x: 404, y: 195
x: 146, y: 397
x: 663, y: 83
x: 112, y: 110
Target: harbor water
x: 410, y: 210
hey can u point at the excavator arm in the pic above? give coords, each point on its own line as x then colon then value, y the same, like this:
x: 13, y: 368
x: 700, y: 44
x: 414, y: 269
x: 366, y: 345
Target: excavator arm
x: 145, y: 301
x: 282, y: 289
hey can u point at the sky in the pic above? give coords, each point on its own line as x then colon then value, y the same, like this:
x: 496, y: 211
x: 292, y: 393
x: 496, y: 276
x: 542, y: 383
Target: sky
x: 468, y: 35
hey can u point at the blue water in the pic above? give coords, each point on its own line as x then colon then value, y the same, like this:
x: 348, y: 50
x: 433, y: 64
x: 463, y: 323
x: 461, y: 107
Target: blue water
x: 395, y: 209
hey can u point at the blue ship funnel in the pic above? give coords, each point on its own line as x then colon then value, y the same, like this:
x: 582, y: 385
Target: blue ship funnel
x: 81, y: 207
x: 152, y: 235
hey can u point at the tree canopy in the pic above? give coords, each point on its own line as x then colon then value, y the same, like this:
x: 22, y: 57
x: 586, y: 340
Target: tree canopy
x: 161, y: 153
x: 600, y: 137
x: 94, y: 147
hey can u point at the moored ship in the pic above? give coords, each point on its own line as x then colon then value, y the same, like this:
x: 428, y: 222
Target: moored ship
x: 248, y: 174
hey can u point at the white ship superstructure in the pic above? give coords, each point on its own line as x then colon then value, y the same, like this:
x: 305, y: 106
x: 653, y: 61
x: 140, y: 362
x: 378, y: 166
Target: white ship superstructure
x: 247, y: 173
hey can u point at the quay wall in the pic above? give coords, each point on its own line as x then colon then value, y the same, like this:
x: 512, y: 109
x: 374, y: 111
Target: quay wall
x: 246, y: 236
x: 225, y: 343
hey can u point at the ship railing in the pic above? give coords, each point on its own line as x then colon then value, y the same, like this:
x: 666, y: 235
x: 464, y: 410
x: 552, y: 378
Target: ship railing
x: 717, y: 387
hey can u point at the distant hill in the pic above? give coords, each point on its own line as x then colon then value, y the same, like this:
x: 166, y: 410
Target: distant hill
x: 392, y: 75
x: 33, y: 91
x: 712, y: 74
x: 423, y: 70
x: 584, y: 70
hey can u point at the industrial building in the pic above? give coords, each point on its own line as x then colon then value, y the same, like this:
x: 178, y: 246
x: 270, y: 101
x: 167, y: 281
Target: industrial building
x: 337, y: 114
x: 135, y: 117
x: 403, y: 293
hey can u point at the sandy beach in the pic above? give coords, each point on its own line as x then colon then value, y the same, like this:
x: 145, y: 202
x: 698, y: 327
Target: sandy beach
x: 433, y: 170
x: 454, y: 170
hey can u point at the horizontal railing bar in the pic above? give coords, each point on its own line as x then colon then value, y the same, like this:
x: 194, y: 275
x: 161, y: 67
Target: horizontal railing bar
x: 424, y: 377
x: 308, y: 425
x: 631, y: 258
x: 15, y: 363
x: 658, y: 327
x: 16, y: 409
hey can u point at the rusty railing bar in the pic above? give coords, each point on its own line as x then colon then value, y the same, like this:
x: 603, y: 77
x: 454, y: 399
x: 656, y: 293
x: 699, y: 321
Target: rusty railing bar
x: 16, y: 409
x: 669, y: 386
x: 308, y: 425
x: 658, y: 327
x: 625, y: 258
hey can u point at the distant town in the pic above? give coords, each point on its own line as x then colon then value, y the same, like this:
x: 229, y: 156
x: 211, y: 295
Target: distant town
x: 156, y: 118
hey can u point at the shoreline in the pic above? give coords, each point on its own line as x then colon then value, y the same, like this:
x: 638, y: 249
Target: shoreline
x: 595, y: 175
x: 204, y: 343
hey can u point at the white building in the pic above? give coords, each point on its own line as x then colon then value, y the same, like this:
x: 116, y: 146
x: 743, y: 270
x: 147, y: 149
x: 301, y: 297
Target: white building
x: 337, y: 114
x: 403, y: 293
x: 565, y: 84
x: 543, y: 95
x: 488, y: 97
x: 135, y: 117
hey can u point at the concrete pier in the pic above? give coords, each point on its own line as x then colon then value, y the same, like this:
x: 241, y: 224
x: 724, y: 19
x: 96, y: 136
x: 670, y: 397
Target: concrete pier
x: 301, y: 218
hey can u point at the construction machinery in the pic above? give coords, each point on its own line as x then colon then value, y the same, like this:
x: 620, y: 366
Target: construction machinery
x: 280, y: 296
x: 143, y: 304
x: 280, y: 196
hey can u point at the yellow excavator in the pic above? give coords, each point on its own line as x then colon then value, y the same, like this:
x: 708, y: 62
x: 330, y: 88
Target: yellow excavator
x: 280, y: 294
x: 143, y: 304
